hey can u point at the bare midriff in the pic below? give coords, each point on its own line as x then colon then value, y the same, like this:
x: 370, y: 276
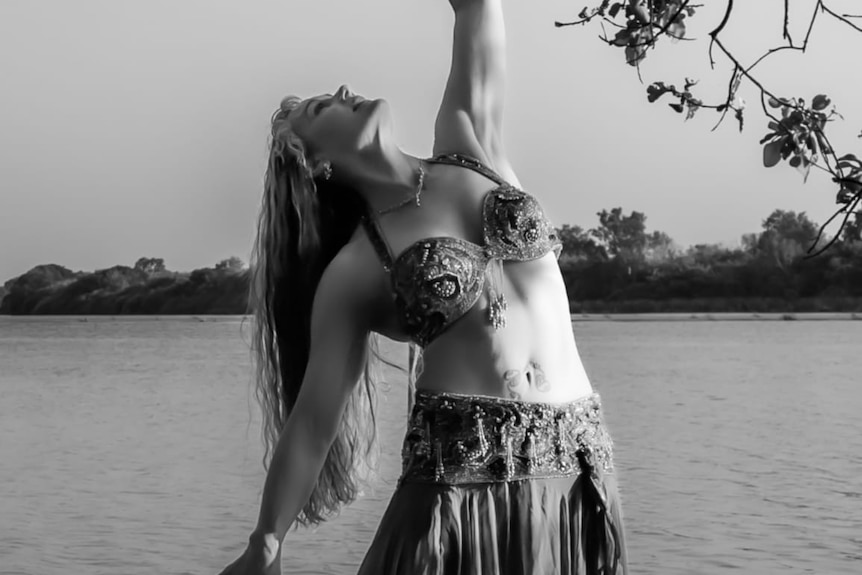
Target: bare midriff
x: 533, y: 358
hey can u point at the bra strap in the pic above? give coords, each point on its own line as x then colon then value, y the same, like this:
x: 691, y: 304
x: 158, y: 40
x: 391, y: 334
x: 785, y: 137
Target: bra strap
x: 471, y: 163
x: 375, y: 236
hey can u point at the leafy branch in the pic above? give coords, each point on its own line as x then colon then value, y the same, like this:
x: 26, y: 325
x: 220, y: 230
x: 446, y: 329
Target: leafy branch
x: 643, y: 25
x: 797, y: 129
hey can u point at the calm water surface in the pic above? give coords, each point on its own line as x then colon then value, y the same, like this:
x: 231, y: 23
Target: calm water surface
x: 131, y: 447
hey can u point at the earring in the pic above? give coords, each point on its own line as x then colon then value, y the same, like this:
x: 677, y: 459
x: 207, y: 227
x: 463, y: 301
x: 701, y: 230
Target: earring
x: 327, y: 171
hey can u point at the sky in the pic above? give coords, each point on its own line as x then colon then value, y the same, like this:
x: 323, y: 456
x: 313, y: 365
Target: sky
x: 138, y: 128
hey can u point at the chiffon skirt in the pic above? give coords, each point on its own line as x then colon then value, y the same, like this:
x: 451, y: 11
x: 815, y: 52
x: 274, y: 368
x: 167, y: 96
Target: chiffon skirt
x: 493, y: 486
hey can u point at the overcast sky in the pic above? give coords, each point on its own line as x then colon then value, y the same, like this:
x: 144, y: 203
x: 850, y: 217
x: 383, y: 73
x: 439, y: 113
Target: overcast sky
x: 138, y: 128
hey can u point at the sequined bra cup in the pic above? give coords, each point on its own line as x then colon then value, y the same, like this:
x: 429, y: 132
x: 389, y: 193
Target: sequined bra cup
x: 435, y: 281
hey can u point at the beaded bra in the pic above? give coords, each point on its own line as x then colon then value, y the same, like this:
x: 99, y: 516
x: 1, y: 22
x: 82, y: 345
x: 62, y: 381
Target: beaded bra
x: 435, y: 281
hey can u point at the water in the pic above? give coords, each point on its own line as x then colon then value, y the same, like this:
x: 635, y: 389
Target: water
x: 131, y: 446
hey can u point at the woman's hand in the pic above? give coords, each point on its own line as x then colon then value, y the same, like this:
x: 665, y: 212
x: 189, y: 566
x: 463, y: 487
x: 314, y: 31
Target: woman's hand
x: 261, y: 557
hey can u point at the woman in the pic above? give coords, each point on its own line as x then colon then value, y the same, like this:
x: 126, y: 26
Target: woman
x: 507, y: 466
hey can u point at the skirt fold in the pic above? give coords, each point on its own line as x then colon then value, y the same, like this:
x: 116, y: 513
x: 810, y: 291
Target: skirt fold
x: 531, y: 527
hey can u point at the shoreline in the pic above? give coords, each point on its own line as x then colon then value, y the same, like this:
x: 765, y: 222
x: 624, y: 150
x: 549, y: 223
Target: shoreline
x: 721, y: 316
x: 577, y: 317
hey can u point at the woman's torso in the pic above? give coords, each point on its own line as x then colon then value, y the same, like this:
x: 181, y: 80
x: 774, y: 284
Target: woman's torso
x: 534, y: 357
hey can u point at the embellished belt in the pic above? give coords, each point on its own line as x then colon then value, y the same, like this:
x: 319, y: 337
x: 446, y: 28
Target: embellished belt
x: 456, y: 439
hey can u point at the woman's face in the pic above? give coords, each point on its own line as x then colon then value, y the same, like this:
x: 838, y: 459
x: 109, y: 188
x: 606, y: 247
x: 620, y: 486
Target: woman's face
x: 335, y: 126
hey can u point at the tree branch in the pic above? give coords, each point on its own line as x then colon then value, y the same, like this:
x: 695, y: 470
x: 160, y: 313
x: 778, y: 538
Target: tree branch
x: 798, y: 136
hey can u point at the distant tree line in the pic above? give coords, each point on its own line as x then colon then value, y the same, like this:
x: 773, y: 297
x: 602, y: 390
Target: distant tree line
x: 615, y: 267
x: 145, y: 288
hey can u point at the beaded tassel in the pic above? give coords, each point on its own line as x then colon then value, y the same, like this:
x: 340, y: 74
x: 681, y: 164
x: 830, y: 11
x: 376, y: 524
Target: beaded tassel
x: 478, y: 453
x: 562, y: 452
x: 483, y: 441
x: 439, y: 471
x: 423, y: 448
x: 497, y: 305
x: 510, y: 461
x: 529, y: 447
x: 497, y: 312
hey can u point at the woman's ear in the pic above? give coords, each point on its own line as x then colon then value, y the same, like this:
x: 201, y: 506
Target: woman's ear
x: 321, y: 168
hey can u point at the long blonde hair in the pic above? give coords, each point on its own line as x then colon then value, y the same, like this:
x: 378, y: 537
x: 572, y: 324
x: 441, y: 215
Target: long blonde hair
x: 304, y: 221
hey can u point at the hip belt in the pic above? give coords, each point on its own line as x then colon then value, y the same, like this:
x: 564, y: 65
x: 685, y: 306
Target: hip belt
x: 455, y: 439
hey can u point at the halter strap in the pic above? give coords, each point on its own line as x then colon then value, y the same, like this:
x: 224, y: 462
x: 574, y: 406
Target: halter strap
x: 471, y: 163
x: 375, y: 236
x: 372, y: 225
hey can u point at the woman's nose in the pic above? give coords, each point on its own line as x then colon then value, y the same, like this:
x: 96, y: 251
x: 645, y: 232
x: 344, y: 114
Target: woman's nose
x: 343, y: 92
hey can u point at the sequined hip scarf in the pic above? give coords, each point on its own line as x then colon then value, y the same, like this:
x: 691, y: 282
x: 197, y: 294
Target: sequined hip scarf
x: 455, y: 439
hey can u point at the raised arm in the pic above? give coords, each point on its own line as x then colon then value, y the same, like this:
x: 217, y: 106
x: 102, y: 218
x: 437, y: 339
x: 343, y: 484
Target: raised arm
x: 470, y: 119
x: 339, y: 333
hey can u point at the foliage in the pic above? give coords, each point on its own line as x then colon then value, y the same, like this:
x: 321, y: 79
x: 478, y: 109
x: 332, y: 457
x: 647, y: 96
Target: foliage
x: 24, y: 292
x: 579, y: 244
x: 150, y: 265
x: 768, y: 267
x: 145, y: 289
x: 622, y: 235
x: 852, y: 231
x: 786, y: 236
x: 617, y: 266
x: 797, y: 130
x: 233, y: 264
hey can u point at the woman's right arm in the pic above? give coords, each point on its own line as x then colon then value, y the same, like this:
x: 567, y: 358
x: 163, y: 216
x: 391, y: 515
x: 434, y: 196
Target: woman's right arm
x: 339, y: 334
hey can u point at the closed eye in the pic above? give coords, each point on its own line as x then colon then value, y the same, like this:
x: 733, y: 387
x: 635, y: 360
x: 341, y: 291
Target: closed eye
x: 319, y: 107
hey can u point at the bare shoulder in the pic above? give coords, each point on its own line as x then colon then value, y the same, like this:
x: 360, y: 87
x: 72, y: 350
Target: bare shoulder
x: 346, y: 281
x: 351, y: 283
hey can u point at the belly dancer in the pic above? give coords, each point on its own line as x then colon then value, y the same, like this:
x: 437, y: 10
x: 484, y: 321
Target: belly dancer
x: 507, y: 465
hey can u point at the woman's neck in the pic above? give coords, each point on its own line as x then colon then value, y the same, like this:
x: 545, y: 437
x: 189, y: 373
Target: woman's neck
x: 384, y: 177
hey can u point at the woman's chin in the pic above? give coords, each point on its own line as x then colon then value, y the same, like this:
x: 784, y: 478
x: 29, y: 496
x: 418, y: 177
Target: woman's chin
x: 384, y: 112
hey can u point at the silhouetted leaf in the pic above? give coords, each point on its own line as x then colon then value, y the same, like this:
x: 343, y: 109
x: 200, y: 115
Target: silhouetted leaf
x: 820, y: 102
x: 676, y: 31
x: 804, y: 168
x: 634, y: 54
x: 692, y: 106
x: 656, y: 90
x: 678, y: 107
x: 622, y: 37
x: 772, y: 152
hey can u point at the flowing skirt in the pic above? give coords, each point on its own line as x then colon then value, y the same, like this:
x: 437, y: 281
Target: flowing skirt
x: 493, y: 486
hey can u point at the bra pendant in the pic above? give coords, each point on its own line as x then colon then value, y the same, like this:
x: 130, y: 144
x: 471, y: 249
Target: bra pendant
x: 497, y: 312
